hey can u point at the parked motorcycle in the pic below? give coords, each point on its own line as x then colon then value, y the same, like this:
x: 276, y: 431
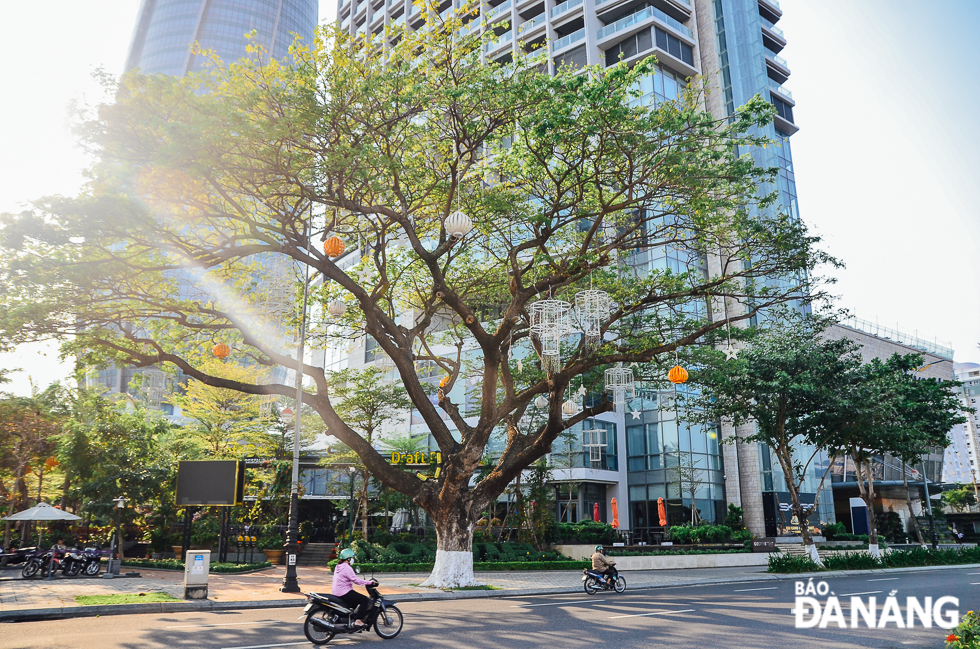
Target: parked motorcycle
x: 20, y: 555
x: 39, y: 562
x: 92, y: 558
x: 594, y: 581
x: 72, y: 562
x: 328, y: 615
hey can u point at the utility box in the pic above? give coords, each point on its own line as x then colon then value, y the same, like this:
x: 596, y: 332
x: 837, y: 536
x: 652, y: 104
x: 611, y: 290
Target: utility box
x: 196, y: 569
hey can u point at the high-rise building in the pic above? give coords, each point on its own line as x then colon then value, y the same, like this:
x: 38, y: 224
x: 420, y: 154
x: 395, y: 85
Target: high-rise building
x: 732, y: 44
x: 166, y: 30
x: 162, y: 42
x: 962, y: 465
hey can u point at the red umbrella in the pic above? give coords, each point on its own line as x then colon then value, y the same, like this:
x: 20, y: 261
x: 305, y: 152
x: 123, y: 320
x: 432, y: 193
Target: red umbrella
x: 595, y: 512
x: 615, y: 508
x: 662, y: 511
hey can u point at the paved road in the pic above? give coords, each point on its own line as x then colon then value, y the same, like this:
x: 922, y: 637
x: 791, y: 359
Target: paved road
x: 736, y: 616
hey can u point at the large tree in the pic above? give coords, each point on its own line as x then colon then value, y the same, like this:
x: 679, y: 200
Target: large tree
x: 203, y: 184
x: 788, y: 381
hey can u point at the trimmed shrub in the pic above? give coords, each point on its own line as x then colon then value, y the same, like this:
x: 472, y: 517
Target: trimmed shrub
x: 789, y: 563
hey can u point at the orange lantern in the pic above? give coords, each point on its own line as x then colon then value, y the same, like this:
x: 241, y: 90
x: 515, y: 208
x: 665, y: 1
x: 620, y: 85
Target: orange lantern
x: 444, y: 382
x: 51, y: 462
x: 677, y: 374
x: 615, y: 512
x: 334, y: 247
x: 221, y: 350
x: 662, y: 512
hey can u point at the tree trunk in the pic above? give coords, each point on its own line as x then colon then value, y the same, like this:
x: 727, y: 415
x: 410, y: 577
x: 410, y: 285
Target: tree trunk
x: 785, y: 456
x: 912, y: 519
x: 64, y: 493
x: 867, y: 495
x: 454, y: 547
x: 364, y: 507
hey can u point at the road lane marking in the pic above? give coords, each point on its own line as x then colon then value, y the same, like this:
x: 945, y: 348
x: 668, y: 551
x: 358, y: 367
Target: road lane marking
x: 977, y: 583
x: 567, y: 602
x: 687, y: 610
x: 204, y: 626
x: 973, y: 573
x: 870, y: 592
x: 885, y: 579
x: 745, y: 590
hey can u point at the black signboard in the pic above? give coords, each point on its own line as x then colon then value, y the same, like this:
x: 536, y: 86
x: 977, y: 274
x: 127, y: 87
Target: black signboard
x: 210, y: 483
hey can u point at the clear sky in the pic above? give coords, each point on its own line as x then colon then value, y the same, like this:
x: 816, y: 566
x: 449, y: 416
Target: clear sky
x: 886, y: 159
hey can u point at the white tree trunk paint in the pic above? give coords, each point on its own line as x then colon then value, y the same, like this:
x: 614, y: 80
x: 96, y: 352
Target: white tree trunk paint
x: 874, y: 551
x: 452, y: 570
x: 811, y: 551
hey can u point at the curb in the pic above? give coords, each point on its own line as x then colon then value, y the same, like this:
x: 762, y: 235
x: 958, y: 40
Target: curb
x: 36, y: 614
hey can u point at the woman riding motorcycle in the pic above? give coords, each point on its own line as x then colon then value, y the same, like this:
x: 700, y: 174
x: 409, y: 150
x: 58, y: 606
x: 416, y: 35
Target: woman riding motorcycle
x: 601, y: 564
x: 344, y: 580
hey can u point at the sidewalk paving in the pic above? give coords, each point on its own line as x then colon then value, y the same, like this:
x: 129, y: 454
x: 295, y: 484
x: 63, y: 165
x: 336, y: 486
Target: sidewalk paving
x: 22, y: 599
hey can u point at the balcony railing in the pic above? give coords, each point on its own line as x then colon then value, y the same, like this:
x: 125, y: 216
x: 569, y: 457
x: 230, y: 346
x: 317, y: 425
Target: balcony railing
x: 565, y: 6
x: 565, y: 41
x: 777, y: 59
x: 779, y: 89
x: 771, y: 27
x: 639, y: 16
x: 501, y: 40
x: 531, y: 24
x: 496, y: 11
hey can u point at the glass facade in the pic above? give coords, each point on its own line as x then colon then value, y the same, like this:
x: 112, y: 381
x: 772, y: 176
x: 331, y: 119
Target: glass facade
x: 166, y: 29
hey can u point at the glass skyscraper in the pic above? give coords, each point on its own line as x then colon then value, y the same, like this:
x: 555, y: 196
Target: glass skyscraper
x: 735, y: 46
x: 166, y: 29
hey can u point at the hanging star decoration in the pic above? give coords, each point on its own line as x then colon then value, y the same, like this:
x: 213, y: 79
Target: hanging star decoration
x: 582, y: 391
x: 731, y: 353
x: 634, y: 364
x: 364, y: 274
x: 636, y: 414
x: 520, y: 365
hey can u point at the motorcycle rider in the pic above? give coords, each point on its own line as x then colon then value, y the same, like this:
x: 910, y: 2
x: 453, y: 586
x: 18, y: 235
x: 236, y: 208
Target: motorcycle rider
x: 344, y: 580
x: 603, y: 564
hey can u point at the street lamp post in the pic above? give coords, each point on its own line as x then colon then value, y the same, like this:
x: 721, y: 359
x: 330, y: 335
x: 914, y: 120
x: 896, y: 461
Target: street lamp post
x: 117, y: 538
x: 289, y: 582
x: 350, y: 533
x: 932, y: 521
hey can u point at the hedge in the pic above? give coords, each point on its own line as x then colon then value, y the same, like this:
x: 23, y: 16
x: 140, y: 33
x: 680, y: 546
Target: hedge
x: 914, y: 558
x: 174, y: 564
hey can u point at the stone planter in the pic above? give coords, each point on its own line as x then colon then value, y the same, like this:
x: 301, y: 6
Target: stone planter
x: 178, y: 551
x: 274, y: 556
x: 156, y: 556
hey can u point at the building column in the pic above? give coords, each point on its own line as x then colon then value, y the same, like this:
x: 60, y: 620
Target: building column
x: 750, y: 480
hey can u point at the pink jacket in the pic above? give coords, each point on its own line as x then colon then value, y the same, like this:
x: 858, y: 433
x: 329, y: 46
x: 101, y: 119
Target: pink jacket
x: 344, y: 579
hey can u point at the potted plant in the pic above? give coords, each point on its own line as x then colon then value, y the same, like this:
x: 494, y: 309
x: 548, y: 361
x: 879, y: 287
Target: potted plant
x: 271, y: 544
x: 158, y: 540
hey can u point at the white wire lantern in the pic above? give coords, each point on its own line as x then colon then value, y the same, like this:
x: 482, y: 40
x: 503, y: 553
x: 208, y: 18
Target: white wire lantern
x: 620, y: 381
x: 336, y: 308
x: 592, y: 308
x: 458, y: 225
x: 594, y: 440
x: 569, y: 408
x: 550, y: 321
x: 541, y: 401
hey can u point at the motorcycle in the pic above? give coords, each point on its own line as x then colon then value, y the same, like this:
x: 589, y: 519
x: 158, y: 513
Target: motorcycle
x: 20, y: 555
x: 327, y: 615
x: 73, y: 562
x: 594, y: 581
x: 39, y: 561
x: 92, y: 560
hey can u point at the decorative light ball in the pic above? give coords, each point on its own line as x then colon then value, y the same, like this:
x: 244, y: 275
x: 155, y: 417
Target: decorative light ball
x: 541, y: 401
x: 336, y: 308
x: 458, y: 225
x: 677, y: 374
x: 570, y: 408
x: 221, y: 350
x: 334, y: 247
x: 444, y: 382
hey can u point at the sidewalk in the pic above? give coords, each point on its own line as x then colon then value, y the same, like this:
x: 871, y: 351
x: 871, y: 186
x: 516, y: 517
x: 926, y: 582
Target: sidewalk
x: 39, y: 599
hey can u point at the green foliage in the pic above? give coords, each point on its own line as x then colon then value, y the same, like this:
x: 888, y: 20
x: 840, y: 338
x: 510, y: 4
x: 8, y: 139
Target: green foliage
x: 668, y: 552
x: 734, y: 517
x: 205, y: 529
x: 704, y: 533
x: 960, y: 498
x: 270, y: 539
x: 586, y: 532
x: 832, y: 531
x: 781, y: 562
x: 174, y: 564
x: 966, y: 635
x: 916, y: 557
x: 124, y: 598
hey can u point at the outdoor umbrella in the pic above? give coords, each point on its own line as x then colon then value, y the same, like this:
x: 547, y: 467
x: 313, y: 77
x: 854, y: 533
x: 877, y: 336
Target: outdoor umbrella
x: 615, y: 508
x: 595, y: 512
x: 662, y: 511
x: 43, y: 512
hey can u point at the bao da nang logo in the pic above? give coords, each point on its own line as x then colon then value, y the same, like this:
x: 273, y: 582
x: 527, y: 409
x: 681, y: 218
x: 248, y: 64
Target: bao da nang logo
x: 870, y: 611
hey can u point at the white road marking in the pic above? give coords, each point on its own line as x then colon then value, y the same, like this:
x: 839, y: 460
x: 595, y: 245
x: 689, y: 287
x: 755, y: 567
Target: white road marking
x: 204, y: 626
x: 870, y: 592
x: 687, y: 610
x: 745, y: 590
x: 975, y: 583
x: 885, y: 579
